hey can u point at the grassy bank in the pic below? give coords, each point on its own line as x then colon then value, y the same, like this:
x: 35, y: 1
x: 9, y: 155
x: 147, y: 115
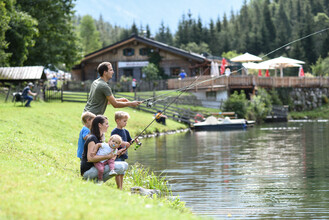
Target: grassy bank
x: 40, y: 171
x: 319, y: 113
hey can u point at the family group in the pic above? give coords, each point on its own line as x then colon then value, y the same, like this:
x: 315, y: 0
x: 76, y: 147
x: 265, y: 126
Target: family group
x: 99, y: 159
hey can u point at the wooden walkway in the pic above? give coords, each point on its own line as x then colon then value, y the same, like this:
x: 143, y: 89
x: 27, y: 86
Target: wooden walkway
x: 248, y: 82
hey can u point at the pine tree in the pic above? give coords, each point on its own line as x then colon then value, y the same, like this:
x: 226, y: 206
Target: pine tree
x: 148, y: 31
x: 255, y: 34
x: 244, y: 25
x: 134, y: 29
x: 321, y: 21
x: 218, y: 25
x: 199, y: 32
x: 224, y: 36
x: 308, y: 43
x: 161, y: 34
x: 104, y: 29
x: 213, y: 39
x: 169, y: 37
x: 182, y: 32
x: 282, y: 27
x: 268, y: 29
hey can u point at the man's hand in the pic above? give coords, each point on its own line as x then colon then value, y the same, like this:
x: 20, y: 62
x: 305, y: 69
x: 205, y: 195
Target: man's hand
x: 135, y: 103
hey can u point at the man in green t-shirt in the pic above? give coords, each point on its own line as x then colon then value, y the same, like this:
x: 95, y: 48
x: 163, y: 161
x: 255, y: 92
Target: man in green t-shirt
x: 101, y: 94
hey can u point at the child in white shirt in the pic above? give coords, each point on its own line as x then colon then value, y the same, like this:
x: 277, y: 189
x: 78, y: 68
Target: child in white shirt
x: 105, y: 149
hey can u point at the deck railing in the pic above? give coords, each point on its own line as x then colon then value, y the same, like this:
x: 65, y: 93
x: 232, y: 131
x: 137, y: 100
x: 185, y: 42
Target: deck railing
x: 208, y: 82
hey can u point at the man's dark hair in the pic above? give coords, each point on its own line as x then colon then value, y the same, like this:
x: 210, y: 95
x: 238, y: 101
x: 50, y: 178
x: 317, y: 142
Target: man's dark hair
x: 102, y: 68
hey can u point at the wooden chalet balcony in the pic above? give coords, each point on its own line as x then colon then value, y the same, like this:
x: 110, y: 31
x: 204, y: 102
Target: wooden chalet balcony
x: 244, y: 82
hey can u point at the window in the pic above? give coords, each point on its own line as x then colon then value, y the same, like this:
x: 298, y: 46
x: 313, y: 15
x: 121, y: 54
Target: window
x: 174, y: 71
x: 144, y: 51
x: 128, y: 52
x: 211, y: 95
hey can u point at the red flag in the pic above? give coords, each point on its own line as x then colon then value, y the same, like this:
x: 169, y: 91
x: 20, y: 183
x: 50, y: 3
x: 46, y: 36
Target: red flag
x: 260, y: 73
x: 267, y: 74
x: 222, y: 67
x: 301, y: 72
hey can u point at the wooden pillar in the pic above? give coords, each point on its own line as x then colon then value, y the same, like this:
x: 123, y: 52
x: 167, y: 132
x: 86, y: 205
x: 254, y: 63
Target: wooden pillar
x: 9, y: 90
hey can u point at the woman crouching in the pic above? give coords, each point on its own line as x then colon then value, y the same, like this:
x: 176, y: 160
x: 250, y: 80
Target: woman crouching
x: 99, y: 127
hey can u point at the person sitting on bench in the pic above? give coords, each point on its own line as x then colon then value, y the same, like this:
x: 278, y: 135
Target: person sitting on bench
x: 27, y: 94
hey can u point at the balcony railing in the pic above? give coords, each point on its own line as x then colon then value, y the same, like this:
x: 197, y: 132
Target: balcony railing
x: 208, y: 82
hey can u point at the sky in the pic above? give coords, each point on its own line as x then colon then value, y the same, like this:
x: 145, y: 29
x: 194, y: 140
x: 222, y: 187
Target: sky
x: 152, y: 12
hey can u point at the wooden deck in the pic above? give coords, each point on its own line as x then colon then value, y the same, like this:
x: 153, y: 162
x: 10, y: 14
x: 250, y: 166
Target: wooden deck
x: 245, y: 82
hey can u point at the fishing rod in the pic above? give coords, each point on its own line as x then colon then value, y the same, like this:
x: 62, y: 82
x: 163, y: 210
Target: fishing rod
x: 138, y: 144
x: 193, y: 84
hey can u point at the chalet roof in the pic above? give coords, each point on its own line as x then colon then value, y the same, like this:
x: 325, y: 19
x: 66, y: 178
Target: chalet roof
x: 147, y: 41
x: 22, y: 73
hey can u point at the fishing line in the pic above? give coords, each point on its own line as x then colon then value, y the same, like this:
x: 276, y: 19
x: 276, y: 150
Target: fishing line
x: 294, y: 41
x: 164, y: 109
x: 177, y: 90
x: 193, y: 84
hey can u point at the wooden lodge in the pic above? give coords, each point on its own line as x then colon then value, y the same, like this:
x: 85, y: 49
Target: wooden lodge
x: 130, y: 55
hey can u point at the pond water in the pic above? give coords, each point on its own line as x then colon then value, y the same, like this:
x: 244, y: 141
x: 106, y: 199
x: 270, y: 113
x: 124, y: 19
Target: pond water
x: 278, y: 170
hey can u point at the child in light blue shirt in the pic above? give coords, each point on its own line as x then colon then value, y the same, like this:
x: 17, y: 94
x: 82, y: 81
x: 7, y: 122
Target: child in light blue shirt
x: 87, y: 118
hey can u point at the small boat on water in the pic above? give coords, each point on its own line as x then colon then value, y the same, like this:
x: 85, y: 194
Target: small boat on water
x: 214, y: 124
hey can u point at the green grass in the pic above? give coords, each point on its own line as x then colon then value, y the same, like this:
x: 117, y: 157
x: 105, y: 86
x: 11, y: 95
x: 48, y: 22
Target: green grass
x: 319, y: 113
x: 40, y: 171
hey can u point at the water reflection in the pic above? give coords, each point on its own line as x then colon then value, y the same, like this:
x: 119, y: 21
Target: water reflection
x: 254, y: 173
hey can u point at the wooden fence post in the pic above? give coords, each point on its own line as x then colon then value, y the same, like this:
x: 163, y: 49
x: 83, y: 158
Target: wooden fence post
x: 62, y: 99
x: 9, y: 89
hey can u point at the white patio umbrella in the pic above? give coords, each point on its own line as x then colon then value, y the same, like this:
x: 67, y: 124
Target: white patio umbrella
x: 214, y: 71
x: 258, y: 66
x: 247, y: 57
x: 283, y: 62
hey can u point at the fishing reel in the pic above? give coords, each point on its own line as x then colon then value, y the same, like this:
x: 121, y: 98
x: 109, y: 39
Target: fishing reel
x: 149, y: 104
x: 138, y: 144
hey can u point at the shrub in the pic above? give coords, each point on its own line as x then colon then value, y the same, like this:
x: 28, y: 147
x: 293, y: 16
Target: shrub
x: 151, y: 71
x: 236, y: 103
x: 126, y: 79
x: 260, y: 106
x: 325, y: 99
x: 275, y: 99
x: 321, y: 67
x: 257, y: 109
